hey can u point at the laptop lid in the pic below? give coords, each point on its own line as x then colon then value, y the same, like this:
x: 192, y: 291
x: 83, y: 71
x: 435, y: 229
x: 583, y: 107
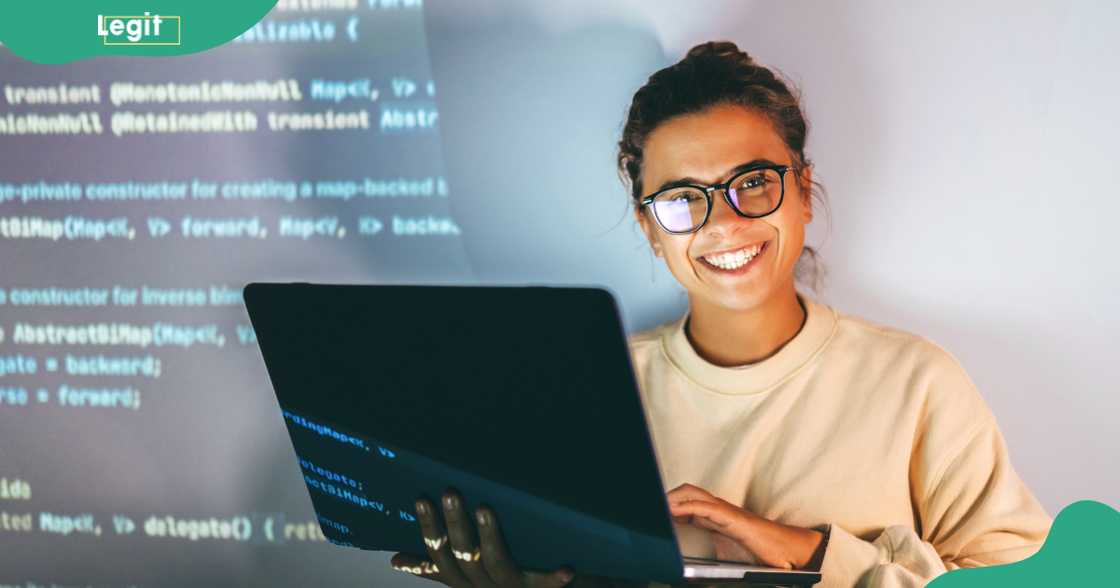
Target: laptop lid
x: 522, y: 398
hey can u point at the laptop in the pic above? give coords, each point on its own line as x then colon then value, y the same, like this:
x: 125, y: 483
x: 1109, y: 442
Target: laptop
x: 522, y: 398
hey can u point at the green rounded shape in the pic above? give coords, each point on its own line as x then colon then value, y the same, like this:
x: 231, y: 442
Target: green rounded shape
x: 61, y: 31
x: 1078, y: 551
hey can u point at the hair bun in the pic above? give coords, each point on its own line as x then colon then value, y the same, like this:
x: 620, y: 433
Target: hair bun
x: 721, y: 49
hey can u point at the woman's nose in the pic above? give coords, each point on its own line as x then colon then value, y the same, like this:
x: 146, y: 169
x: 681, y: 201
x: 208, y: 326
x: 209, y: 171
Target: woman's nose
x: 723, y: 219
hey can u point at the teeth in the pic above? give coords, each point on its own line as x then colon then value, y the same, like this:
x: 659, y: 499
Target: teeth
x: 735, y: 259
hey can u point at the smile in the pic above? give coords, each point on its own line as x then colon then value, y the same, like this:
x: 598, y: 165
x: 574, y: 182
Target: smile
x: 735, y: 260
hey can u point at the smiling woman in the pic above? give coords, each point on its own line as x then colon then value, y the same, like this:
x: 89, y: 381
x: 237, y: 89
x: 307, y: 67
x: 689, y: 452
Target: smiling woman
x: 794, y: 434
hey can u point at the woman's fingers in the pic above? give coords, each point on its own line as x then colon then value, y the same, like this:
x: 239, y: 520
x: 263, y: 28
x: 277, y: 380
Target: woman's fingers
x: 417, y: 566
x: 463, y: 546
x: 495, y: 557
x: 686, y: 492
x: 498, y: 563
x: 460, y: 560
x: 706, y: 514
x: 439, y: 547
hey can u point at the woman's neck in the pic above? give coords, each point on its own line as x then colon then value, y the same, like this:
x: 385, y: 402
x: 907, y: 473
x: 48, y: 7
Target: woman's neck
x: 726, y: 337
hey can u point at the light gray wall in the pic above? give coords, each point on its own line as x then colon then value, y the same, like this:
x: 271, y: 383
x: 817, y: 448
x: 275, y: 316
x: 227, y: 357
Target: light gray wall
x: 969, y: 149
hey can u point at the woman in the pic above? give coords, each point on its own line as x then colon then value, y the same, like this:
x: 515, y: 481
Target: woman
x: 794, y: 435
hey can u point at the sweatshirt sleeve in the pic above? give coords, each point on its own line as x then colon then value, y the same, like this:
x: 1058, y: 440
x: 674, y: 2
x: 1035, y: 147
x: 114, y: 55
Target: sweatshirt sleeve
x: 971, y: 507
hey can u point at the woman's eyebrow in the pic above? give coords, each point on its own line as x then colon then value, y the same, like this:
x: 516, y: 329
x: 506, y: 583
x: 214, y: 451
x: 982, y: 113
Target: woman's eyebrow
x: 730, y: 173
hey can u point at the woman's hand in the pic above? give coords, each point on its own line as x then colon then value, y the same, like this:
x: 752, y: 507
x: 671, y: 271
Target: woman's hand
x: 741, y: 535
x: 454, y: 559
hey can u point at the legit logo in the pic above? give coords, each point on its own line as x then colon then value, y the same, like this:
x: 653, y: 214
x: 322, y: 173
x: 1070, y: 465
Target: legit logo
x: 139, y: 30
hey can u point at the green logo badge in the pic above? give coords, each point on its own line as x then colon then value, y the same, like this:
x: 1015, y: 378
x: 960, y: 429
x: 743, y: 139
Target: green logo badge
x: 150, y: 29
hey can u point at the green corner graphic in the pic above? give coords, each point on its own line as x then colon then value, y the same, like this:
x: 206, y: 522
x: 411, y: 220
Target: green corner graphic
x: 60, y: 31
x: 1082, y: 541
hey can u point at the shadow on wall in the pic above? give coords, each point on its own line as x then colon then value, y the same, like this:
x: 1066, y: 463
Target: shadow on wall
x: 529, y: 126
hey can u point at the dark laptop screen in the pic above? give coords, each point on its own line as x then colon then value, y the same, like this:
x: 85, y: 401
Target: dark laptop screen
x: 528, y: 389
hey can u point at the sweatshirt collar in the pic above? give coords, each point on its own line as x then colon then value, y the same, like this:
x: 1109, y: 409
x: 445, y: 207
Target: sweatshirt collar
x: 820, y: 325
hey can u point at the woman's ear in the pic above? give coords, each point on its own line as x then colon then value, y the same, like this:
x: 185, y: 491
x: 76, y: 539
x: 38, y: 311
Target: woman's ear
x: 649, y: 230
x: 805, y: 185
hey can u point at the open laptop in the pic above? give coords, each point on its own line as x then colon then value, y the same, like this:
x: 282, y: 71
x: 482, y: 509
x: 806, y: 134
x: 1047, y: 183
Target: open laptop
x: 521, y: 398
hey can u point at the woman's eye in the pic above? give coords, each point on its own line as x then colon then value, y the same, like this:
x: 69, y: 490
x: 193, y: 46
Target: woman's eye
x: 756, y: 181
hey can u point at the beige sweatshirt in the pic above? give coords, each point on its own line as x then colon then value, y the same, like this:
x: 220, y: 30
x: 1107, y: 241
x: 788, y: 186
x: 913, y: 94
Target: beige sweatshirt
x: 872, y: 434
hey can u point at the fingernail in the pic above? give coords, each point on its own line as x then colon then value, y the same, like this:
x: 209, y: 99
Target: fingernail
x: 566, y: 576
x: 482, y: 518
x: 449, y: 501
x: 421, y: 508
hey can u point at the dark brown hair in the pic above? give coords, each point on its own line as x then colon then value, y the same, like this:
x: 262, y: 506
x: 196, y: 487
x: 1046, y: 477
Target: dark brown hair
x: 711, y: 74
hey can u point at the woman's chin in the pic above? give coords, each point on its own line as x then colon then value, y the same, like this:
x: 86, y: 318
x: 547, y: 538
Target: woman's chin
x: 736, y: 301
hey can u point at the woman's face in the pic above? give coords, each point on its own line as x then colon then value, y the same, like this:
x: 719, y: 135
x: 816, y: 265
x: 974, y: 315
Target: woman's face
x: 704, y: 148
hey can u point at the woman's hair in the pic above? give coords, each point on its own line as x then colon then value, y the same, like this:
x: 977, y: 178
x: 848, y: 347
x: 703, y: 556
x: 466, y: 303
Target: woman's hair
x: 718, y: 73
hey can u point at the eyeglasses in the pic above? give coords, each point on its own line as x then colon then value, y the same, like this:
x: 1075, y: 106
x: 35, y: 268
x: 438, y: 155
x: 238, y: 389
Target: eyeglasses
x: 753, y: 193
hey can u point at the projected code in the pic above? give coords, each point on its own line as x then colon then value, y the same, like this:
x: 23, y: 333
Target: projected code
x: 400, y: 105
x: 325, y: 29
x: 137, y: 199
x: 361, y: 193
x: 239, y: 528
x: 272, y: 528
x: 76, y: 366
x: 397, y: 104
x: 336, y: 484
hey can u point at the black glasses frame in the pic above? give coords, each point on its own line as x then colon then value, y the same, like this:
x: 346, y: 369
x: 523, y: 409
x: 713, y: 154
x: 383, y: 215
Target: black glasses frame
x: 723, y: 187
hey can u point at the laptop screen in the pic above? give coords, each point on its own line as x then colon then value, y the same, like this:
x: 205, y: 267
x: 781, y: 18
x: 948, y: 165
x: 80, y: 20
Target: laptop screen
x: 527, y: 392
